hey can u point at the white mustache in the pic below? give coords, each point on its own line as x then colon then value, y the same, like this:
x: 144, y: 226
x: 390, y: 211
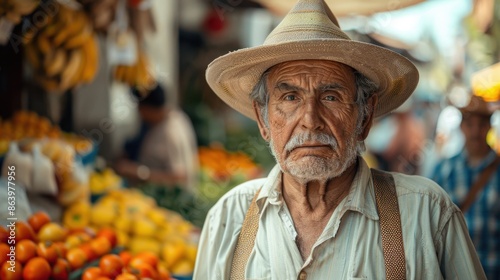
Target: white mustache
x: 299, y: 140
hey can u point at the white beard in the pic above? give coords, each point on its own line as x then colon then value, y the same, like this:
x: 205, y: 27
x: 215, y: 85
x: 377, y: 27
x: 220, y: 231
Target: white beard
x: 312, y: 168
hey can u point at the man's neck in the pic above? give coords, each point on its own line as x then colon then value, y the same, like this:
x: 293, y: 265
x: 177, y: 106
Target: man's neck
x: 312, y: 204
x: 475, y: 158
x: 317, y: 198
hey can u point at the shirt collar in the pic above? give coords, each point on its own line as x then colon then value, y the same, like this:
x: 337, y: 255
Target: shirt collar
x: 360, y: 198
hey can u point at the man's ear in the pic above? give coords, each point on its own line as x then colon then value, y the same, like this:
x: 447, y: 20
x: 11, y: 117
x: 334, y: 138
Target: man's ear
x: 368, y: 121
x: 264, y: 131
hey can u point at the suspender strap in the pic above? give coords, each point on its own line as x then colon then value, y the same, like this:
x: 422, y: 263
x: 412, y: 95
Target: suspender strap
x: 246, y: 240
x: 390, y: 225
x: 479, y: 184
x: 390, y: 230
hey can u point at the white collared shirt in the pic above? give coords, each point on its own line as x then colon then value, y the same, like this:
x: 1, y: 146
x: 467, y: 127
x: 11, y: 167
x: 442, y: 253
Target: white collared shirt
x: 437, y: 245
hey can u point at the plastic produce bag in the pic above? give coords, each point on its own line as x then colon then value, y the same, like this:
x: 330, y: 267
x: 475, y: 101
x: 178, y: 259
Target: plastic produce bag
x: 23, y: 164
x: 44, y: 181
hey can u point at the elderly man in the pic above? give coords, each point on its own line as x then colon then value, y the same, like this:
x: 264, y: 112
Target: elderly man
x: 322, y: 213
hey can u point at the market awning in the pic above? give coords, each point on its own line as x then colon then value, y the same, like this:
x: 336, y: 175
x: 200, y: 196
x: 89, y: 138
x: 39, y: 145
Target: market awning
x: 343, y: 8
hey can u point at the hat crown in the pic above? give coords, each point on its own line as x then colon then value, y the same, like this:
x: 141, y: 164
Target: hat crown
x: 308, y: 20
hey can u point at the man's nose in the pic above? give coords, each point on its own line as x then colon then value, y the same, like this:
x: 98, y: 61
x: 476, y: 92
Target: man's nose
x: 312, y: 118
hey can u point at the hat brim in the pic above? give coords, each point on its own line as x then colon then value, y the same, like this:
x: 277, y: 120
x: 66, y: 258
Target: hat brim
x: 233, y: 76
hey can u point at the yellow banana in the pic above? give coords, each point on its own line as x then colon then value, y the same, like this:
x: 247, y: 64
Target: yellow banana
x: 91, y: 53
x: 68, y: 25
x: 54, y: 63
x: 119, y: 73
x: 79, y: 39
x: 71, y: 72
x: 44, y: 44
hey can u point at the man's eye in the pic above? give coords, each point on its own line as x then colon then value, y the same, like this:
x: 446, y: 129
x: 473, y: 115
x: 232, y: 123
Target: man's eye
x: 331, y: 98
x: 290, y: 97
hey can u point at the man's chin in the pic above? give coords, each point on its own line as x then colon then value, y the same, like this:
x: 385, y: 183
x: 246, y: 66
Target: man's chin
x: 311, y: 171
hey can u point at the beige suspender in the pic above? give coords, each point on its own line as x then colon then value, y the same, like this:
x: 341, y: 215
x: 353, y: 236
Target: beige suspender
x: 390, y: 230
x: 246, y: 240
x: 390, y: 225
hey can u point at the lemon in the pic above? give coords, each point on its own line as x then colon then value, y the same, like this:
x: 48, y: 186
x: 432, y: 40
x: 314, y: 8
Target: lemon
x: 123, y: 223
x: 144, y: 228
x: 144, y: 244
x: 101, y: 215
x: 183, y: 267
x: 172, y: 252
x: 52, y: 232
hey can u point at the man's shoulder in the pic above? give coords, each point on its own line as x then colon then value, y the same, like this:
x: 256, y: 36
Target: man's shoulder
x: 421, y: 187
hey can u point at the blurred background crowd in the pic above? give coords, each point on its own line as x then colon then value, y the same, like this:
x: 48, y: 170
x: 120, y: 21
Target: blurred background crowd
x: 110, y: 97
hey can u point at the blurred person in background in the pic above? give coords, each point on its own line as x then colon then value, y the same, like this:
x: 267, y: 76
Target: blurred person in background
x: 397, y: 140
x: 164, y: 151
x: 322, y: 213
x: 472, y: 179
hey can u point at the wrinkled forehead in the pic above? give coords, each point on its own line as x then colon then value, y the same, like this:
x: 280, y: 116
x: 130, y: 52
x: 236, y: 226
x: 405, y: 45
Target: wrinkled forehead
x: 323, y: 69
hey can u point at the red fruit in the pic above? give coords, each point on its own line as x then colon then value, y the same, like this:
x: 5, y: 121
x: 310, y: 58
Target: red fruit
x: 37, y: 269
x: 61, y: 270
x: 111, y: 265
x: 38, y: 219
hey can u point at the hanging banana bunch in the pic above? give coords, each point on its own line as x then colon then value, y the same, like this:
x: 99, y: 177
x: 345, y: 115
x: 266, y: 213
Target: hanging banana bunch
x: 139, y: 75
x: 14, y: 10
x: 65, y: 52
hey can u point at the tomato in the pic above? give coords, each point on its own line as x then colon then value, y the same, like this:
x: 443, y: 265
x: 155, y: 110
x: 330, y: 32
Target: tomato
x: 61, y: 270
x: 86, y: 231
x: 91, y: 273
x: 143, y: 270
x: 126, y: 276
x: 48, y: 251
x: 6, y: 274
x: 76, y: 258
x: 100, y: 245
x: 4, y: 250
x: 38, y: 219
x: 146, y: 257
x: 109, y: 234
x: 111, y: 265
x: 37, y: 269
x: 163, y: 272
x: 126, y: 256
x: 61, y: 249
x: 24, y: 231
x: 84, y: 236
x: 4, y: 234
x: 89, y: 252
x: 25, y: 250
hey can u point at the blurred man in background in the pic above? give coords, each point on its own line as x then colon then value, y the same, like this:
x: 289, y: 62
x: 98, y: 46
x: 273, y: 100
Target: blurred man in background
x: 164, y: 150
x: 472, y: 179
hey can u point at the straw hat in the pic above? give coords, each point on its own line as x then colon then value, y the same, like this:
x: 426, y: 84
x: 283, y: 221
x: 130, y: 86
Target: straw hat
x: 311, y: 31
x: 477, y: 105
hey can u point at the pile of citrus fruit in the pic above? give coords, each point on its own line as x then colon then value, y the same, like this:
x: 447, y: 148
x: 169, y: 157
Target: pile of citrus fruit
x: 42, y: 249
x: 140, y: 226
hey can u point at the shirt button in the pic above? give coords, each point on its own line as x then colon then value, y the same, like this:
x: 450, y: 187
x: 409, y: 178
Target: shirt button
x: 302, y: 275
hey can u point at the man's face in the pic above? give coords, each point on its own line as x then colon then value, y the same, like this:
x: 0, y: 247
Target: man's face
x: 475, y: 127
x: 313, y: 121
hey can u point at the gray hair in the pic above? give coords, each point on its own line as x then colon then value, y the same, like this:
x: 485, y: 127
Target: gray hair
x: 364, y: 90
